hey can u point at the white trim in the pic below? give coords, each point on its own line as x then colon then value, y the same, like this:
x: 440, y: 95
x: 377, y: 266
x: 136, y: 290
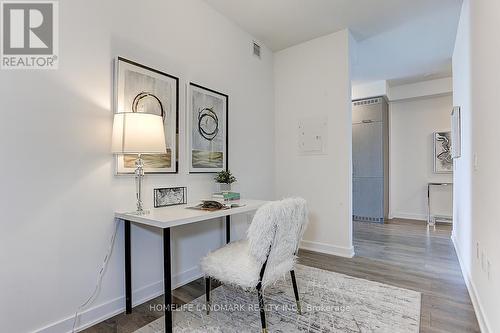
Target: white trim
x: 101, y: 312
x: 420, y: 217
x: 471, y: 287
x: 409, y: 216
x: 335, y: 250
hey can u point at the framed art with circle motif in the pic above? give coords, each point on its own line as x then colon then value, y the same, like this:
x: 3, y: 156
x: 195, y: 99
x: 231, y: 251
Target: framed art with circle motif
x: 207, y: 133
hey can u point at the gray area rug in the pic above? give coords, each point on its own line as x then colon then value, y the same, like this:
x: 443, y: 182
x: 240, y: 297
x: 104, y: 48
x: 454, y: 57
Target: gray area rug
x: 331, y: 302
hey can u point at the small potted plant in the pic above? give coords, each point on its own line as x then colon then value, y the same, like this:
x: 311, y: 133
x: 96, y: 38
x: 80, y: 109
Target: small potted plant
x: 225, y: 179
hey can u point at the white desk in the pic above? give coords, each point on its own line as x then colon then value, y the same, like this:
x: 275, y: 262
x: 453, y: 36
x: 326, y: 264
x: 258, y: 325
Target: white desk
x: 166, y: 218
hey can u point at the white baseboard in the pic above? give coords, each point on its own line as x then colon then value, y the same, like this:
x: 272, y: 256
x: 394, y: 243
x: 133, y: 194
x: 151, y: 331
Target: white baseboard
x: 471, y: 287
x: 409, y: 216
x: 341, y: 251
x: 101, y: 312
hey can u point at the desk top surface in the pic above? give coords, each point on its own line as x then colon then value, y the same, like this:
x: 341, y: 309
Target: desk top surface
x: 166, y: 217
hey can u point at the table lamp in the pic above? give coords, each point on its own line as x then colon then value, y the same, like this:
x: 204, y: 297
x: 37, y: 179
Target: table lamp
x: 138, y: 133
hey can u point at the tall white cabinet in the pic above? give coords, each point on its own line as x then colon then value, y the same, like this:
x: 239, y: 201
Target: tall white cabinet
x: 370, y: 158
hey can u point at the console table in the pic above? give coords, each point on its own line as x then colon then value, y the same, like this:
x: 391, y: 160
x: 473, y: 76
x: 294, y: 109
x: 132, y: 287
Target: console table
x: 429, y: 216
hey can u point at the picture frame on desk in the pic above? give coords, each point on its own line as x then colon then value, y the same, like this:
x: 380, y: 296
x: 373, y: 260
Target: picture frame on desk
x: 169, y: 196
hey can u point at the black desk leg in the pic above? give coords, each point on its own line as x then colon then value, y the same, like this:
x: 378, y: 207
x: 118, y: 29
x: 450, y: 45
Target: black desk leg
x: 228, y: 229
x: 128, y: 270
x: 167, y: 278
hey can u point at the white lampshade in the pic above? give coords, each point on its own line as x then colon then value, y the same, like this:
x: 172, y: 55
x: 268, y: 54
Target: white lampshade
x: 138, y: 133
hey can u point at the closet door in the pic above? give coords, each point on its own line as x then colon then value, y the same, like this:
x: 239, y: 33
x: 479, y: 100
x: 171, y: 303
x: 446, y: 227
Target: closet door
x: 368, y: 199
x: 371, y: 112
x: 367, y: 150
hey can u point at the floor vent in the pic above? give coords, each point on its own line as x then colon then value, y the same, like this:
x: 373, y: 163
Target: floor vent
x: 370, y: 101
x: 256, y: 49
x: 367, y: 219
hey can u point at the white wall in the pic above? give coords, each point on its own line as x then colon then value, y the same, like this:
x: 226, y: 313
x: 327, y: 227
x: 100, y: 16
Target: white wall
x: 437, y: 87
x: 412, y: 124
x: 476, y: 67
x: 462, y: 229
x: 370, y: 89
x: 313, y: 79
x: 398, y: 92
x: 59, y: 192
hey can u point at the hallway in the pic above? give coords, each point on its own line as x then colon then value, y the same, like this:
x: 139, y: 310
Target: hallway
x: 404, y: 253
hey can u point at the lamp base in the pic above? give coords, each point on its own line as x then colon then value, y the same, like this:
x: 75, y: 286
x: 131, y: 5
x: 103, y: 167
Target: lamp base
x: 139, y: 175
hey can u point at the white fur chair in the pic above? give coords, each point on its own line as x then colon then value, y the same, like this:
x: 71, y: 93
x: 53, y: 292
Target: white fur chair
x: 268, y: 253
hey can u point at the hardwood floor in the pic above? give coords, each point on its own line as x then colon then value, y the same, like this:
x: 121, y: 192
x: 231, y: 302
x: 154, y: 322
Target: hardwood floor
x: 402, y: 253
x: 406, y: 254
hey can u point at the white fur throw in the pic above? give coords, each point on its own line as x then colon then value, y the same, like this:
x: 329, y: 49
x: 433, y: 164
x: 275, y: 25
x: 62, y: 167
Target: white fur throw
x: 276, y: 227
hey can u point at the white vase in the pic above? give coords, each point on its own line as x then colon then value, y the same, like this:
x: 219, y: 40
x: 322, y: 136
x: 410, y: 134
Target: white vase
x: 223, y: 187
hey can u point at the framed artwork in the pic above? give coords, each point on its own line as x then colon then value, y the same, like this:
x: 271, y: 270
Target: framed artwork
x: 139, y: 88
x: 207, y: 138
x: 169, y: 196
x: 456, y: 132
x: 443, y: 163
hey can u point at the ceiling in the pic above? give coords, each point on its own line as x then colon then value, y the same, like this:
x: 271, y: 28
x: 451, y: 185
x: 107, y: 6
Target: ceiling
x: 396, y: 39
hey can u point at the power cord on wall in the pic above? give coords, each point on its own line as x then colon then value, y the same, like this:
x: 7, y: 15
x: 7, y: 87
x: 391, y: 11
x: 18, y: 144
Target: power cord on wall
x: 99, y: 277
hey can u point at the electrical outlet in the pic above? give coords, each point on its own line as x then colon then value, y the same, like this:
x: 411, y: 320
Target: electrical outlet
x: 477, y: 250
x: 488, y: 266
x: 476, y: 162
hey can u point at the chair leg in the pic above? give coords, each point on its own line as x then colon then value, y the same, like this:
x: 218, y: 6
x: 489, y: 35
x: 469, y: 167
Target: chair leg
x: 296, y: 291
x: 207, y: 293
x: 261, y: 308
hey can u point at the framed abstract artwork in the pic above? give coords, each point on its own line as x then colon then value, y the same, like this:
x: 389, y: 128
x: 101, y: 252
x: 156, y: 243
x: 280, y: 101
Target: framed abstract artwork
x: 169, y: 196
x: 443, y: 163
x: 139, y: 88
x: 207, y: 133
